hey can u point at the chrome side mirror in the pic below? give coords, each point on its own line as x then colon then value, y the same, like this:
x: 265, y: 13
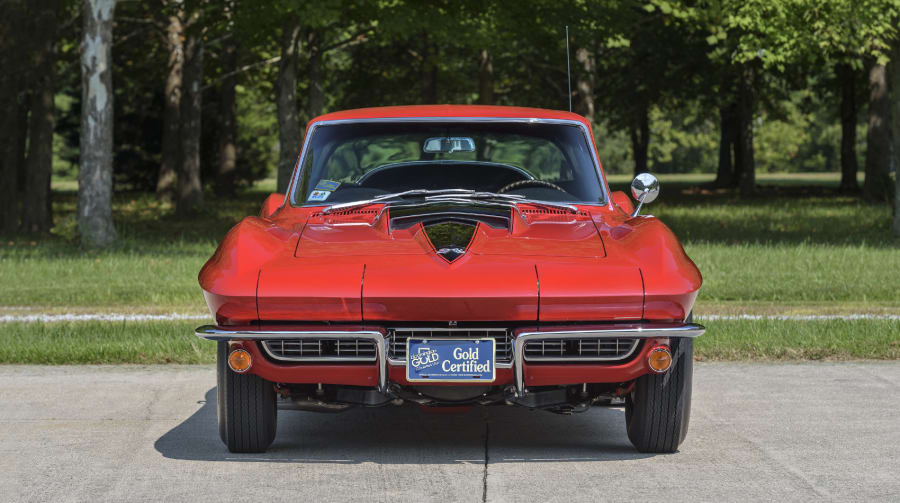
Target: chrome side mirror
x: 644, y: 189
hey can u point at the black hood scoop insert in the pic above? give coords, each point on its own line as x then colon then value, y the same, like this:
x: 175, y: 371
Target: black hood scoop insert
x: 406, y: 216
x: 450, y: 237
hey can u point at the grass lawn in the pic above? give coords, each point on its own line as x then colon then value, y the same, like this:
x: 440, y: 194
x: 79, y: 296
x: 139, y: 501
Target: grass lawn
x: 795, y: 248
x: 150, y: 342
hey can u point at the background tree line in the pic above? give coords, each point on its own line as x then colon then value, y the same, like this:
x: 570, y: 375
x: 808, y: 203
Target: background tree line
x: 187, y: 97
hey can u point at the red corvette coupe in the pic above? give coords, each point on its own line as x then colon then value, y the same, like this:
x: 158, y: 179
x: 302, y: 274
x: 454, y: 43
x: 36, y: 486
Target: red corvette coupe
x: 450, y: 256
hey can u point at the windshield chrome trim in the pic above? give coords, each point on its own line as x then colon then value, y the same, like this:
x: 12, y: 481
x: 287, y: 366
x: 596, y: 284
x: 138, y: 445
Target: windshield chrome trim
x: 298, y: 167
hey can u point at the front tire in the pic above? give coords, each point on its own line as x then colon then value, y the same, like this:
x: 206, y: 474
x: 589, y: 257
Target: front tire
x: 246, y: 407
x: 658, y: 410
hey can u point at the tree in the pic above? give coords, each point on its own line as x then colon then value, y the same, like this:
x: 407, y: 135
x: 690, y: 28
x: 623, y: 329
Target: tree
x: 630, y: 41
x: 173, y: 10
x: 727, y: 138
x: 851, y: 36
x: 190, y: 188
x: 878, y: 137
x: 744, y: 150
x: 485, y: 78
x: 227, y: 165
x: 317, y: 29
x: 36, y: 215
x: 849, y: 115
x: 95, y: 221
x: 286, y: 98
x: 894, y: 67
x: 12, y: 128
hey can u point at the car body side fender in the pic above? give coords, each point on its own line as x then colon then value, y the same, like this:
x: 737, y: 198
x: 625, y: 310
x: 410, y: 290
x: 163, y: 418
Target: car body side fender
x: 229, y: 278
x: 671, y: 279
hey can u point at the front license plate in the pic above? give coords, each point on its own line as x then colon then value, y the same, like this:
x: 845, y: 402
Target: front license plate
x: 450, y: 360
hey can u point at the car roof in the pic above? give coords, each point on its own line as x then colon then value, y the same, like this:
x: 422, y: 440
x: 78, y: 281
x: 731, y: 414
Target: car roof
x: 438, y: 111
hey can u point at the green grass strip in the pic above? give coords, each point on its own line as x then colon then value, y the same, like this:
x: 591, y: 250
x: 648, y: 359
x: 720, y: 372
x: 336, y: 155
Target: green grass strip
x: 104, y: 342
x: 769, y: 339
x: 158, y: 342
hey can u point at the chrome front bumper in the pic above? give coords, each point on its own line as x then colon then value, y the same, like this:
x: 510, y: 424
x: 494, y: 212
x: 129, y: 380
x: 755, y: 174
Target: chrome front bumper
x: 214, y: 333
x: 632, y: 330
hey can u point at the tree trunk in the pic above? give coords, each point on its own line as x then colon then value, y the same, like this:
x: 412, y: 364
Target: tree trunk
x: 584, y: 83
x: 877, y: 185
x: 485, y: 79
x: 315, y: 99
x: 22, y: 141
x: 485, y: 97
x: 747, y: 176
x: 171, y: 134
x: 640, y: 139
x: 429, y: 71
x: 286, y: 101
x: 737, y: 156
x: 894, y: 67
x: 95, y: 221
x: 225, y: 174
x: 724, y: 172
x: 9, y: 170
x: 849, y: 165
x: 38, y: 166
x: 11, y: 56
x: 190, y: 190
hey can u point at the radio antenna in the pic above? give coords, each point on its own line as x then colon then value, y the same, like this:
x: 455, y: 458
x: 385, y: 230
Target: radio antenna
x: 568, y: 68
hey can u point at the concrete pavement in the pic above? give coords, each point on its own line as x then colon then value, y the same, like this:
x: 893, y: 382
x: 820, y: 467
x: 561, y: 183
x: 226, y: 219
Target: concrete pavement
x: 822, y: 431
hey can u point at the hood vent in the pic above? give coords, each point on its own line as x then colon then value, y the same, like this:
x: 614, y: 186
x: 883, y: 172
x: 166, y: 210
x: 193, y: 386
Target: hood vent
x: 533, y: 214
x: 450, y: 239
x: 355, y: 216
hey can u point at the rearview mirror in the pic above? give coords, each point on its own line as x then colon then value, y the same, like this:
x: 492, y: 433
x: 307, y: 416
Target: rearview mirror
x: 448, y: 145
x: 644, y: 189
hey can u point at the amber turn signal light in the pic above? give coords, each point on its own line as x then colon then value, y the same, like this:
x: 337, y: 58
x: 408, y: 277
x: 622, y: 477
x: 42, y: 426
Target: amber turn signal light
x: 660, y: 359
x: 239, y: 360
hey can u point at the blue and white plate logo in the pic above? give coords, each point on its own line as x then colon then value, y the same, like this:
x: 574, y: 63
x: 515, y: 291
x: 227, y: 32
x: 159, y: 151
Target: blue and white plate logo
x: 424, y: 358
x: 435, y: 360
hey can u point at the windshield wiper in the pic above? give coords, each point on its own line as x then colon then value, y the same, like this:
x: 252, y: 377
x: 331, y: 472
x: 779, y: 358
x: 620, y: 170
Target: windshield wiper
x: 495, y: 197
x: 390, y: 197
x: 449, y: 196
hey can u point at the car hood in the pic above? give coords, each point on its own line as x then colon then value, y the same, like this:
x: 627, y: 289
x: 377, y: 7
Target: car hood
x: 545, y: 265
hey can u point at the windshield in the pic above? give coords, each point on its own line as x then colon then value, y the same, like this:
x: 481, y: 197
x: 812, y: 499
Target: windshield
x: 351, y: 162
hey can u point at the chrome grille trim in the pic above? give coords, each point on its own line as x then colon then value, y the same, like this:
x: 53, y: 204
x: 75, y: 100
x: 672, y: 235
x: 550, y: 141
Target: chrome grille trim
x: 593, y: 349
x: 214, y: 333
x: 321, y: 350
x: 625, y: 330
x: 397, y: 336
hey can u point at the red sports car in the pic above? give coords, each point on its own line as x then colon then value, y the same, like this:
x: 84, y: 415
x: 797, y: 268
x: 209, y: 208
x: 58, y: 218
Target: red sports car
x: 452, y: 256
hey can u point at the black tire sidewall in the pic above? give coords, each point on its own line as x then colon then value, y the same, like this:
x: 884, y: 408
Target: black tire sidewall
x: 657, y: 411
x: 246, y: 410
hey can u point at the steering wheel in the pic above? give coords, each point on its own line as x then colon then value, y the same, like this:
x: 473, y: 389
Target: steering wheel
x: 529, y: 183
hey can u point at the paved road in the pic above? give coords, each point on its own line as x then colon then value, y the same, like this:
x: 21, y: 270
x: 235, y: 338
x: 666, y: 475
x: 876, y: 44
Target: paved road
x: 758, y: 432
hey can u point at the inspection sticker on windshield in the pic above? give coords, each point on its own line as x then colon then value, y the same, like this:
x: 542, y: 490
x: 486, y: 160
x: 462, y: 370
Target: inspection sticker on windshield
x: 319, y: 195
x: 327, y: 185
